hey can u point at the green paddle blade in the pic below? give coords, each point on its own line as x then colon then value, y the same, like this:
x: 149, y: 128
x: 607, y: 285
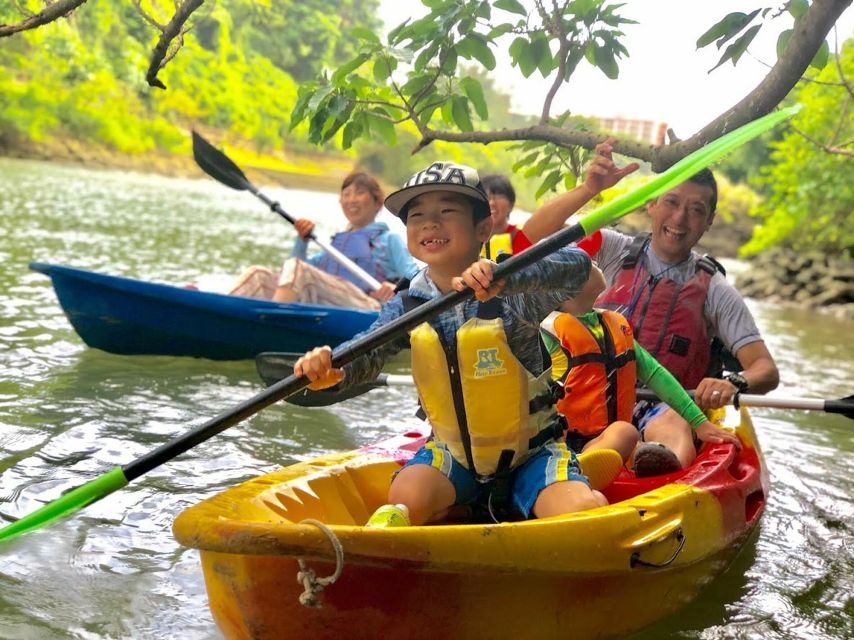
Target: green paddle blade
x: 72, y: 501
x: 684, y: 169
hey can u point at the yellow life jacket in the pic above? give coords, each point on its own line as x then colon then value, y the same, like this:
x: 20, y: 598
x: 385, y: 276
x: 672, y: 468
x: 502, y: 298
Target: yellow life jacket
x: 480, y: 401
x: 497, y: 244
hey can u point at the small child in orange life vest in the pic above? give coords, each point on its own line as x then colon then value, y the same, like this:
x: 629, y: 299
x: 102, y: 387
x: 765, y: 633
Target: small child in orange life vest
x: 597, y: 360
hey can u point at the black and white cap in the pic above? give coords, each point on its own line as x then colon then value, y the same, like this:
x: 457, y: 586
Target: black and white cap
x: 440, y: 176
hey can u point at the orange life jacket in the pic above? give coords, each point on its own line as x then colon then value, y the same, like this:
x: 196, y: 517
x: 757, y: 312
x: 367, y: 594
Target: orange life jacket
x: 599, y: 384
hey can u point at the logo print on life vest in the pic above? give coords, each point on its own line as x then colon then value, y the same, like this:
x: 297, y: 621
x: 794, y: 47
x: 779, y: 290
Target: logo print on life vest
x: 488, y: 364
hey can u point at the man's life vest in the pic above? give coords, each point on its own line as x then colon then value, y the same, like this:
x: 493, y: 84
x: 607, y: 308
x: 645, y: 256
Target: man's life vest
x: 599, y: 378
x: 667, y: 316
x: 478, y: 398
x: 499, y: 243
x: 359, y: 246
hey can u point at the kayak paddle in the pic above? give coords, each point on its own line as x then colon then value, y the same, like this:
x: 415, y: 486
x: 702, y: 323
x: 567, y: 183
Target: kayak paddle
x: 842, y: 406
x: 221, y: 168
x: 273, y: 366
x: 118, y: 477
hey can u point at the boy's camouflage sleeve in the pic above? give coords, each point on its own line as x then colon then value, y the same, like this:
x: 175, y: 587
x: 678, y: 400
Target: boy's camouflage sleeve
x: 369, y: 366
x: 548, y: 282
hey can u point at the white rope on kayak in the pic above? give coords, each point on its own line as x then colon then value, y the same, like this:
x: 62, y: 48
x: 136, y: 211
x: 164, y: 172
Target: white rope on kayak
x: 313, y: 585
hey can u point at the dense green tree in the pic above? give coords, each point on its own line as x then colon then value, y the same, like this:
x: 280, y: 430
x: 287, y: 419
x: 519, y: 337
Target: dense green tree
x: 810, y: 179
x: 84, y: 77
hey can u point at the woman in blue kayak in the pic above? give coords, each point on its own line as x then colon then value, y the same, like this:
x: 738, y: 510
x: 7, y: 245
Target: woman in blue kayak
x: 320, y: 279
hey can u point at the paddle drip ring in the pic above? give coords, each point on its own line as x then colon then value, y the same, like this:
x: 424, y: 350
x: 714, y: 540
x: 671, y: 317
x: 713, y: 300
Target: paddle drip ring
x: 313, y: 585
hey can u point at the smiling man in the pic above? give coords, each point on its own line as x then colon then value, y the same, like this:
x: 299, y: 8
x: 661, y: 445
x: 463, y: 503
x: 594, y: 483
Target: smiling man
x: 677, y: 301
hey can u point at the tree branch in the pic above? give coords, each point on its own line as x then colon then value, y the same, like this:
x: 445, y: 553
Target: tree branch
x: 784, y: 75
x: 52, y: 12
x: 160, y: 56
x: 837, y: 150
x: 806, y: 39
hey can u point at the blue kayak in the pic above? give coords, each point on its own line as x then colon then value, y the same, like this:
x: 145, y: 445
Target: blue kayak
x: 127, y: 316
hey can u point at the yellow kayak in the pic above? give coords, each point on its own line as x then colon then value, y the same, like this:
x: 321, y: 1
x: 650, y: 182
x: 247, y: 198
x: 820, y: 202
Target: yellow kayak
x: 598, y: 573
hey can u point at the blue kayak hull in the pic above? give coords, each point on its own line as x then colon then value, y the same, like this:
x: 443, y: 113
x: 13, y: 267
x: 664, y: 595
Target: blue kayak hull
x: 127, y: 316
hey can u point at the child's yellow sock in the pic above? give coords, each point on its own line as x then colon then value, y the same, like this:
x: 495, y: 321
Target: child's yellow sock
x: 601, y: 466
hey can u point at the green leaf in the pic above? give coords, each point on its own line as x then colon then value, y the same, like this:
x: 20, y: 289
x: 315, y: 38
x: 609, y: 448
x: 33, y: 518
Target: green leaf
x: 352, y: 131
x: 474, y: 92
x: 549, y: 183
x: 570, y: 180
x: 512, y: 6
x: 449, y: 65
x: 319, y: 96
x: 392, y: 35
x: 725, y: 29
x: 821, y: 57
x: 416, y: 84
x: 524, y: 162
x: 798, y: 8
x: 460, y: 113
x: 447, y: 112
x: 366, y: 35
x: 299, y: 113
x: 783, y: 41
x: 383, y: 127
x: 348, y: 67
x: 475, y: 46
x: 522, y: 54
x: 383, y: 68
x: 605, y: 61
x: 737, y: 48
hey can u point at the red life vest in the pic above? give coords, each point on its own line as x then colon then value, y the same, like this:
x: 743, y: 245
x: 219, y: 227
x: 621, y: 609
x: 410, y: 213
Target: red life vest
x: 667, y: 316
x: 599, y: 384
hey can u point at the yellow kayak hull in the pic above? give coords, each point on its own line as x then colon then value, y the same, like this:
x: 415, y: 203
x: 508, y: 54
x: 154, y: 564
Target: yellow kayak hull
x: 588, y: 574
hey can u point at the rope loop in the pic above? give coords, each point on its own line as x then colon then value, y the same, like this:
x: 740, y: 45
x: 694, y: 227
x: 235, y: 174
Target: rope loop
x: 312, y: 585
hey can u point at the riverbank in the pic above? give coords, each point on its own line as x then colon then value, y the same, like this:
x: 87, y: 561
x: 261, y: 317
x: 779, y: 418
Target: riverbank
x: 807, y: 279
x: 320, y: 172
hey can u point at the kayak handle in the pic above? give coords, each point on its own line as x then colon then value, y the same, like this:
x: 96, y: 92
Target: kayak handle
x: 635, y: 560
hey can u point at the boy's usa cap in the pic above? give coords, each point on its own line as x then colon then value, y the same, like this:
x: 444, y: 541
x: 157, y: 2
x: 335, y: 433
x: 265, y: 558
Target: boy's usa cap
x: 440, y: 176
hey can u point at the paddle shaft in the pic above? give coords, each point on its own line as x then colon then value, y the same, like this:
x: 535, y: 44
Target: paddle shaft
x: 842, y: 406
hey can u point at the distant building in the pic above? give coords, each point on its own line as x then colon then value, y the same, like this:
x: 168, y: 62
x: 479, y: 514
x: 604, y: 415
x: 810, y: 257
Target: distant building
x: 645, y: 130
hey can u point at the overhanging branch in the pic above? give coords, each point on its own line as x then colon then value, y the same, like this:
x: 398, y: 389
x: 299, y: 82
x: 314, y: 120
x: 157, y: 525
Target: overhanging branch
x: 172, y: 31
x: 53, y: 11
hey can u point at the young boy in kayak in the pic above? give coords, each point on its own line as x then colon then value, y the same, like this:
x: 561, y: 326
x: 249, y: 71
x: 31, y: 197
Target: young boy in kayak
x: 479, y: 370
x: 598, y: 362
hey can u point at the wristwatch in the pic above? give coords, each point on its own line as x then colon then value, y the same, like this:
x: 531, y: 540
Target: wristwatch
x: 738, y: 381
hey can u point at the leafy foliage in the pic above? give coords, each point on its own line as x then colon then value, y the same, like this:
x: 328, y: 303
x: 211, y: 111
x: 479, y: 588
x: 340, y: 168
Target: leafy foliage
x: 83, y: 77
x: 423, y: 73
x: 811, y: 191
x: 738, y: 22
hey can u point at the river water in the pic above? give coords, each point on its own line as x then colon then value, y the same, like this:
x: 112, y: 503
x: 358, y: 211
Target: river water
x: 68, y: 413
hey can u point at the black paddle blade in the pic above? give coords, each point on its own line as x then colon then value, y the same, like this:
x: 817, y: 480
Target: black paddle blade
x: 273, y: 366
x: 218, y: 166
x: 843, y: 406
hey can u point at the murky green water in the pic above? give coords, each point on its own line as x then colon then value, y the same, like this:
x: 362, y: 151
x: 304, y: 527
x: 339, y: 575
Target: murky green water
x: 68, y: 413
